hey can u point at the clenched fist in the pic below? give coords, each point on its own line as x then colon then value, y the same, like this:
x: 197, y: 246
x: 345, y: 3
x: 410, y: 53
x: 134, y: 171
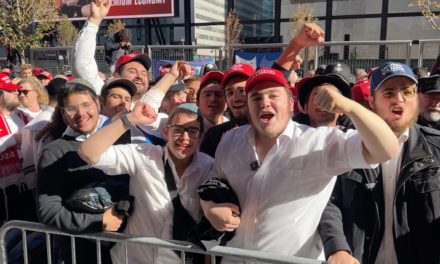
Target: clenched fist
x: 311, y: 35
x: 142, y: 114
x: 333, y: 102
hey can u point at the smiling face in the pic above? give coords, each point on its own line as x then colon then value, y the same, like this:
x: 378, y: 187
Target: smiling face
x: 398, y: 112
x: 317, y: 116
x: 181, y: 146
x: 270, y: 108
x: 236, y: 97
x: 85, y: 120
x: 137, y: 73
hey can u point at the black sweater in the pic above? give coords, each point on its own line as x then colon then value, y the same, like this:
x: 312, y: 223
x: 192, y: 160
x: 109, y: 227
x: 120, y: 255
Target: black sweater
x: 60, y: 172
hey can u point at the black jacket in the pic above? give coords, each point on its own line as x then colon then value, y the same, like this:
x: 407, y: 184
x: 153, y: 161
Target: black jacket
x: 354, y: 218
x: 213, y: 136
x: 422, y: 122
x: 61, y: 172
x: 343, y: 121
x: 112, y: 47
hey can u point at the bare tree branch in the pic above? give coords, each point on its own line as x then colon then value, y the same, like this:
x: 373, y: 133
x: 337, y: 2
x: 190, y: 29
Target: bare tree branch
x: 427, y: 9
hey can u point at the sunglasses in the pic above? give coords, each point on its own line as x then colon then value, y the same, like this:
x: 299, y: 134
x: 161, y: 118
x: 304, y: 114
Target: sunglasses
x: 25, y: 92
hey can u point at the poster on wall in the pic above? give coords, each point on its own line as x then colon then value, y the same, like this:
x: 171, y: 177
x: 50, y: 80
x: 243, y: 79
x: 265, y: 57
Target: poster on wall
x: 198, y: 64
x: 121, y: 9
x: 264, y: 59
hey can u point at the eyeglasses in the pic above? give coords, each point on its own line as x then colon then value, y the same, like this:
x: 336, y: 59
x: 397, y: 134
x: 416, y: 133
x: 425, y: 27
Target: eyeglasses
x: 177, y: 131
x: 432, y: 98
x: 208, y: 94
x: 73, y: 109
x: 179, y: 95
x: 406, y: 92
x: 25, y: 92
x: 230, y: 93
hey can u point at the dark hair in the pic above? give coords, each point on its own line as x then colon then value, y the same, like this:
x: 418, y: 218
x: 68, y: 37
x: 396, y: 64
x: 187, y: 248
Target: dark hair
x: 55, y: 128
x: 206, y: 84
x: 74, y: 88
x: 320, y: 70
x: 123, y: 35
x: 105, y: 92
x: 54, y: 87
x: 2, y: 97
x: 322, y: 84
x: 120, y: 69
x: 188, y: 113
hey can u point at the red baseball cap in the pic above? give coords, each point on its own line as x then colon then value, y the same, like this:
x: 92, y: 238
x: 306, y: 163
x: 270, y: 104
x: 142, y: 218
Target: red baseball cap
x: 237, y: 69
x: 6, y: 84
x: 69, y: 78
x: 45, y: 74
x: 265, y: 74
x: 6, y: 71
x: 37, y: 71
x: 142, y: 58
x: 164, y: 70
x: 212, y: 75
x: 371, y: 71
x: 298, y: 85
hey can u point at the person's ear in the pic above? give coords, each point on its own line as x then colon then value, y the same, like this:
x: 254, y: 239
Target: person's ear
x: 306, y: 109
x: 98, y: 104
x: 165, y: 133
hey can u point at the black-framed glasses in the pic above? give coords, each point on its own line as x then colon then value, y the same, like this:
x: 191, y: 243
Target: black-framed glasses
x: 406, y: 92
x: 25, y: 92
x: 178, y: 130
x: 73, y: 109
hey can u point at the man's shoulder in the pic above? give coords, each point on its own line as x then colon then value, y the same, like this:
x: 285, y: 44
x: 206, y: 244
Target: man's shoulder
x: 222, y: 128
x: 63, y: 145
x: 428, y: 132
x: 40, y: 121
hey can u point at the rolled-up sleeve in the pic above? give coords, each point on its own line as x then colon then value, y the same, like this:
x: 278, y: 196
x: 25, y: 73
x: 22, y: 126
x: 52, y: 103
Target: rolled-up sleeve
x: 154, y: 98
x: 117, y: 160
x: 343, y: 152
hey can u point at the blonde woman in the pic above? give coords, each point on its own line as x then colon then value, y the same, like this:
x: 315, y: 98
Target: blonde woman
x: 32, y: 96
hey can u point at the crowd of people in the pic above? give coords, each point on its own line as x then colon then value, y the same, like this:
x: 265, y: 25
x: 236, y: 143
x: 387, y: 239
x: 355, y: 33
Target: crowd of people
x: 340, y: 165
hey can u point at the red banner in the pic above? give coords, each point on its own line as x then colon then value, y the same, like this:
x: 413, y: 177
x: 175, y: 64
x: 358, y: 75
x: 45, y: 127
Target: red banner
x: 80, y: 9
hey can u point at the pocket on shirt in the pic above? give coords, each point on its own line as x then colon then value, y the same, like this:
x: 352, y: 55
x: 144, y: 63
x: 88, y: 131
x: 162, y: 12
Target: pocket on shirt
x: 428, y: 196
x: 286, y: 186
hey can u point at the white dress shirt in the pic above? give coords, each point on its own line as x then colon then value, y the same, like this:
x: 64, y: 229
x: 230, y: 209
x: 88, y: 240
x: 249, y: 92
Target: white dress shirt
x: 282, y: 202
x: 390, y: 175
x: 153, y: 210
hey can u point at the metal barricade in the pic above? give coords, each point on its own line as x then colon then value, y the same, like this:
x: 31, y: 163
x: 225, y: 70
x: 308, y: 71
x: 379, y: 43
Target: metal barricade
x: 187, y: 53
x: 57, y: 59
x: 429, y: 50
x: 155, y: 243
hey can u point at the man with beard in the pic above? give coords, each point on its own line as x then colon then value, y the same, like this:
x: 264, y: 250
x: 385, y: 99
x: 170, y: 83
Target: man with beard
x: 429, y: 101
x: 15, y: 204
x: 389, y: 214
x: 133, y: 67
x: 282, y: 172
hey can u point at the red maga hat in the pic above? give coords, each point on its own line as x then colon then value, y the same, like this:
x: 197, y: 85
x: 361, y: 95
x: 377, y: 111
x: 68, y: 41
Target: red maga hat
x: 237, y: 69
x: 6, y: 84
x: 265, y: 74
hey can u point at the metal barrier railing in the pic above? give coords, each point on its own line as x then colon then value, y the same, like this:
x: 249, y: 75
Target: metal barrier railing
x: 428, y: 49
x: 57, y: 59
x: 155, y: 243
x: 187, y: 53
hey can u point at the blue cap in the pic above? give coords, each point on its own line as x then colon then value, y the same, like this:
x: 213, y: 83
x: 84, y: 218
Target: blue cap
x: 188, y: 106
x: 389, y: 70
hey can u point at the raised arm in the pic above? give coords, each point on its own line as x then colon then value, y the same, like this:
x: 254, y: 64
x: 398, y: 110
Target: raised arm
x: 379, y: 142
x: 83, y: 51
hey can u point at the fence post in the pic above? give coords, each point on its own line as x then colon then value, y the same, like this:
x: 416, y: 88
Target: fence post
x: 421, y: 49
x: 306, y: 61
x: 231, y: 54
x: 316, y: 57
x: 408, y: 54
x: 220, y: 58
x: 150, y: 54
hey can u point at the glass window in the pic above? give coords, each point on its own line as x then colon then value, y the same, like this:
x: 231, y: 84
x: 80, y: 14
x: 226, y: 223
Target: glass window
x: 254, y: 10
x: 401, y: 6
x: 290, y: 6
x: 356, y: 7
x: 257, y: 30
x: 209, y: 11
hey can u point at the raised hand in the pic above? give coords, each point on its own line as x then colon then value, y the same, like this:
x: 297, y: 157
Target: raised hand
x: 181, y: 70
x: 311, y: 35
x: 142, y: 114
x: 333, y: 102
x: 99, y: 10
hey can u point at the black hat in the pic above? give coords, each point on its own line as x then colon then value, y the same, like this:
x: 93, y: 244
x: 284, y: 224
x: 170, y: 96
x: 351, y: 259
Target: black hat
x: 207, y: 68
x: 420, y: 72
x: 178, y: 85
x: 430, y: 84
x: 120, y: 82
x: 54, y: 86
x: 342, y: 71
x: 307, y: 87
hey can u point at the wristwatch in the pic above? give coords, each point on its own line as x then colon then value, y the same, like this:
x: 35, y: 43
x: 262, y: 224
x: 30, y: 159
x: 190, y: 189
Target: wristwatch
x: 127, y: 124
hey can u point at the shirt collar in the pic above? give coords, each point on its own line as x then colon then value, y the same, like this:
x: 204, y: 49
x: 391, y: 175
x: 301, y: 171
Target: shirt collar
x: 195, y: 163
x: 81, y: 137
x: 404, y: 136
x: 288, y: 131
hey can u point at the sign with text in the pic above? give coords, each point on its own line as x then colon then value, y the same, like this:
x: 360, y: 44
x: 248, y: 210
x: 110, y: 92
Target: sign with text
x: 80, y: 9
